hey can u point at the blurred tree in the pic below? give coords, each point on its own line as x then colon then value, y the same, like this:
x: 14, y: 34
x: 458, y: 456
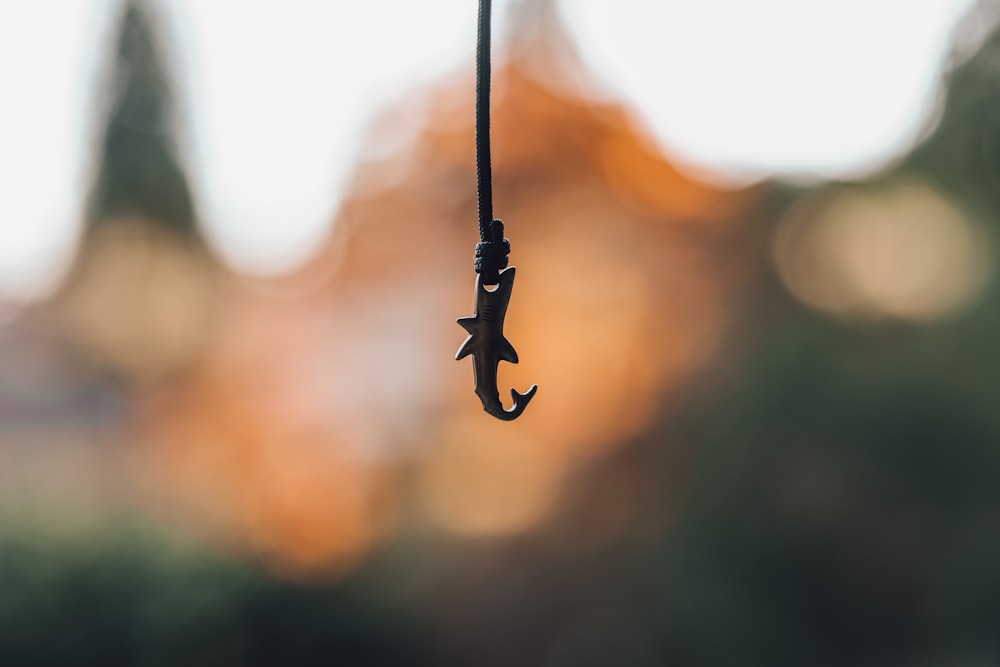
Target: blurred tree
x: 138, y: 172
x: 118, y: 594
x: 138, y: 299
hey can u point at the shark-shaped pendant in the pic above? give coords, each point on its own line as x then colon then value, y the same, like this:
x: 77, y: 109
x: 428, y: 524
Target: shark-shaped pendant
x: 488, y: 346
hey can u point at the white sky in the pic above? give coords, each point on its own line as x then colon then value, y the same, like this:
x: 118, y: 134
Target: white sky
x: 278, y: 92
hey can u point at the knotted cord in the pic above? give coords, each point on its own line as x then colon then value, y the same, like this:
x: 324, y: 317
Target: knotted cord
x: 492, y: 249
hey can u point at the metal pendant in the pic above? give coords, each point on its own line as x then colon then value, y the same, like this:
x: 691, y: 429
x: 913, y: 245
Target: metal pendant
x: 487, y: 345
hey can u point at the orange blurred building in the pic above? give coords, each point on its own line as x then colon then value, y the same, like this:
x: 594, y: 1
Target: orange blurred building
x: 328, y: 409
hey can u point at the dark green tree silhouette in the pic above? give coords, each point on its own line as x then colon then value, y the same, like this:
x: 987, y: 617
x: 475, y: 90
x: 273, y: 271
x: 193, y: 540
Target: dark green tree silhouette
x: 138, y: 171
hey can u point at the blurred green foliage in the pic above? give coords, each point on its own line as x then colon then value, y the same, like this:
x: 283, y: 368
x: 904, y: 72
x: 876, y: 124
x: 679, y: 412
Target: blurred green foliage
x: 122, y: 594
x: 844, y: 504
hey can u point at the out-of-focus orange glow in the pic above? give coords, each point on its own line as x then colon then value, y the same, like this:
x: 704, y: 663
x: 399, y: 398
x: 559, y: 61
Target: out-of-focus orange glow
x: 635, y: 168
x: 601, y: 350
x: 901, y: 250
x: 246, y: 448
x: 488, y: 481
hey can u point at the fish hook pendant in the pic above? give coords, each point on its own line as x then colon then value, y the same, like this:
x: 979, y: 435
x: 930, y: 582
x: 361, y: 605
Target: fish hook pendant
x: 488, y: 346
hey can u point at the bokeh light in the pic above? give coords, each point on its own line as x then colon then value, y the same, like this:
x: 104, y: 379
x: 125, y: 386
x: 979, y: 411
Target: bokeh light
x: 139, y: 301
x: 900, y: 249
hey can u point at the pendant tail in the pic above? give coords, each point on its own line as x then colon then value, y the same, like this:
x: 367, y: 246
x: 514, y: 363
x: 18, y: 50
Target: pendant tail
x: 520, y: 403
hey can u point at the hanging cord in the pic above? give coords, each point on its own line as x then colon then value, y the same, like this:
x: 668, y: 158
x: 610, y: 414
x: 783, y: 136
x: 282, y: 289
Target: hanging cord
x: 493, y: 248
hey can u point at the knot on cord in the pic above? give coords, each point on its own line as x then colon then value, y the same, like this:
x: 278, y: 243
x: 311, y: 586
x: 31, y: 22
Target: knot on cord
x: 491, y: 255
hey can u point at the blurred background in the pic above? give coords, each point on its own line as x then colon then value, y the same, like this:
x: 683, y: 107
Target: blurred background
x: 757, y: 254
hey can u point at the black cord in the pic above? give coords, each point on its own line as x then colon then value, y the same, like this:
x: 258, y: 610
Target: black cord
x: 493, y: 248
x: 484, y: 170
